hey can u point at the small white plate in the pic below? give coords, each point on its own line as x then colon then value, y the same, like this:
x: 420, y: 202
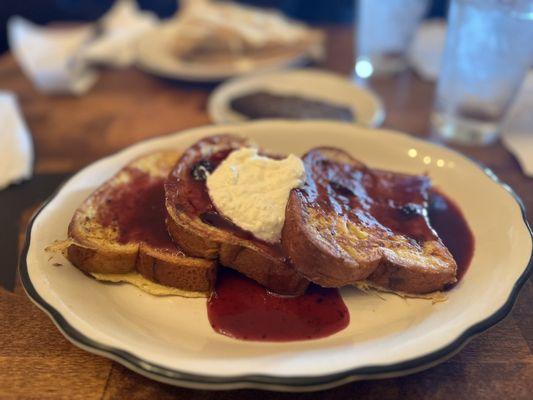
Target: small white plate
x: 155, y: 55
x: 308, y: 83
x: 170, y: 339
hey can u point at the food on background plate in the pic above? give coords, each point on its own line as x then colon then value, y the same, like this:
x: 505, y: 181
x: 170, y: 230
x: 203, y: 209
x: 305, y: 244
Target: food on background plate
x: 263, y: 104
x: 209, y: 32
x: 299, y: 228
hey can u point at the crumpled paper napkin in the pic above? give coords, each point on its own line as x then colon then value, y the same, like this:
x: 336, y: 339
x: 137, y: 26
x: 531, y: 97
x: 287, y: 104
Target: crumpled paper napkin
x: 61, y: 59
x: 16, y: 147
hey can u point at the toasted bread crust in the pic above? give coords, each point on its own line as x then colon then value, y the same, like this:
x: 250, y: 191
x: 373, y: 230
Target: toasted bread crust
x: 101, y: 259
x: 273, y: 273
x: 193, y: 241
x: 335, y: 240
x: 192, y: 274
x: 270, y: 272
x: 314, y: 257
x: 95, y: 248
x: 259, y: 262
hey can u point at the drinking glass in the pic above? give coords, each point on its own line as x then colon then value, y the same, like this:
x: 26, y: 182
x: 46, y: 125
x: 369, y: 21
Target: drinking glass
x: 385, y: 29
x: 488, y: 51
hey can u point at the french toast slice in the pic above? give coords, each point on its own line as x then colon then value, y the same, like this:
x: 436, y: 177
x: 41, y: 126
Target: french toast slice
x: 121, y: 229
x: 197, y: 227
x: 350, y: 224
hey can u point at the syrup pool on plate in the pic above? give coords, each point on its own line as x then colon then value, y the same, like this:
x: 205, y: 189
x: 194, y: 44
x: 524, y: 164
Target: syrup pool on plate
x: 243, y: 309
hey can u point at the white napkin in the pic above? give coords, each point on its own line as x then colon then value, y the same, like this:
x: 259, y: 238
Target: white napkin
x: 518, y: 127
x: 51, y: 57
x: 121, y: 27
x: 16, y: 148
x: 59, y: 60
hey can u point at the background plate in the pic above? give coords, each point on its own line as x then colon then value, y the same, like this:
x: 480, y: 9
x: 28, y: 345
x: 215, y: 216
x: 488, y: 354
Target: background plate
x: 156, y: 56
x: 307, y: 83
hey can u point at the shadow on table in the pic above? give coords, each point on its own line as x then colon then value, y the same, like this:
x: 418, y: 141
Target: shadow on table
x: 13, y: 202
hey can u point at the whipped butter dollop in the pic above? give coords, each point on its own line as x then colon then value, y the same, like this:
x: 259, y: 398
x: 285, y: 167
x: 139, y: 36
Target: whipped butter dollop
x: 252, y: 190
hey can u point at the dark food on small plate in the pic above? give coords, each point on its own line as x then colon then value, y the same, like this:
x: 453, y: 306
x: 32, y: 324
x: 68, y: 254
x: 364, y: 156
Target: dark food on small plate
x: 262, y: 104
x: 344, y: 224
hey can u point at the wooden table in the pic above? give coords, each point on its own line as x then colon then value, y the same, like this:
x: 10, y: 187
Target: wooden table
x: 126, y: 106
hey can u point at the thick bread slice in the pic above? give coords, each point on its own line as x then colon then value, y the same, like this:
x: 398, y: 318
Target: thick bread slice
x: 349, y: 224
x: 121, y: 228
x: 197, y: 227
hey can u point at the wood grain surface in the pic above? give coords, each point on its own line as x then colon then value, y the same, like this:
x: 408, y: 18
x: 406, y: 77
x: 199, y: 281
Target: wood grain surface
x: 126, y: 106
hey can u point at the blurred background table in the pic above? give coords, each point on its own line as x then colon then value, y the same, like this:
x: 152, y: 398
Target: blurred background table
x: 127, y: 106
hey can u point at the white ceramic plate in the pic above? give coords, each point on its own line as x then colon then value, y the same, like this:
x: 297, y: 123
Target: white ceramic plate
x: 308, y: 83
x: 169, y: 339
x: 155, y: 56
